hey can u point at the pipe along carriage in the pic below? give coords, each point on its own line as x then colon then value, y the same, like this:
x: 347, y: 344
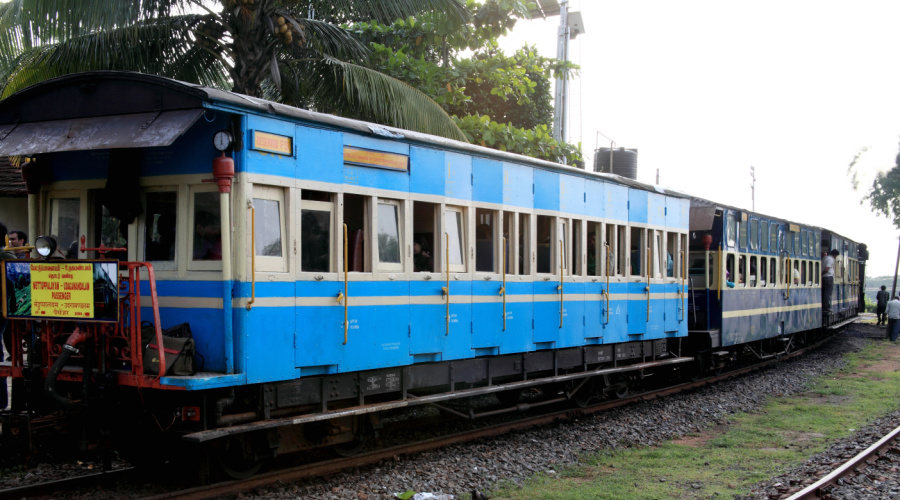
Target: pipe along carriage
x: 304, y: 273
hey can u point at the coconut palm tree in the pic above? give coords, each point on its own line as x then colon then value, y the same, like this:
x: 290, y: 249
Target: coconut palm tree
x: 293, y: 51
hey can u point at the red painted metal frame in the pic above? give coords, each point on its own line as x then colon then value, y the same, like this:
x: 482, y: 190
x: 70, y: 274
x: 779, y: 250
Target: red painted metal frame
x: 122, y: 355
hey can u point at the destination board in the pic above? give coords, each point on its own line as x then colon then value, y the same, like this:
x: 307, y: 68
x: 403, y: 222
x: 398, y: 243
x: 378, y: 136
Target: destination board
x: 66, y: 290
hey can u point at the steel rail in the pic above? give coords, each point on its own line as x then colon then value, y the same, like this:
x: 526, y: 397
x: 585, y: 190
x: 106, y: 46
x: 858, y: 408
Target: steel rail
x: 852, y: 466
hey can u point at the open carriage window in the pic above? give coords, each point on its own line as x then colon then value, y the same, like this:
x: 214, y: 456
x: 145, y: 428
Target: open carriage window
x: 206, y: 234
x: 159, y: 228
x: 637, y: 248
x: 424, y: 236
x: 269, y: 224
x: 672, y: 254
x: 595, y: 250
x: 355, y: 216
x: 544, y: 239
x: 316, y: 243
x: 507, y: 251
x: 485, y: 229
x: 524, y: 238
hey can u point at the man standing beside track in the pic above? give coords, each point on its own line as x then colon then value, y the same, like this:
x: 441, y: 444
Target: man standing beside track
x: 882, y: 298
x: 893, y: 314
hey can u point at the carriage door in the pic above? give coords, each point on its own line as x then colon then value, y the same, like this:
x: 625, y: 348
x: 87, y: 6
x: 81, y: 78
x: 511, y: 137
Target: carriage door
x: 487, y: 301
x: 320, y: 331
x: 456, y: 288
x: 674, y: 306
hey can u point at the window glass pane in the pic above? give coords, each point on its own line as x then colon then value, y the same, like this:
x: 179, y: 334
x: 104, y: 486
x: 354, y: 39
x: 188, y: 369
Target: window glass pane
x: 742, y: 230
x: 773, y: 242
x: 207, y: 229
x: 388, y: 234
x: 754, y: 233
x: 731, y: 231
x: 268, y: 227
x: 544, y: 245
x: 672, y: 254
x: 796, y: 247
x: 764, y: 231
x: 159, y: 236
x: 636, y: 249
x: 315, y: 239
x: 64, y: 217
x: 484, y: 240
x: 803, y: 239
x: 524, y: 241
x: 453, y: 221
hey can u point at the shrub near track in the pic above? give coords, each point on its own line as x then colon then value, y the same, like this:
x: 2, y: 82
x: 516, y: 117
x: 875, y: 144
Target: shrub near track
x: 727, y: 460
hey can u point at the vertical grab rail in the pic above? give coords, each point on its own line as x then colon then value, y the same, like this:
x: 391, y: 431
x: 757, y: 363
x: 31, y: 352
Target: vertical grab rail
x: 606, y: 292
x: 503, y: 288
x: 445, y: 291
x: 252, y: 257
x: 346, y: 295
x: 560, y: 287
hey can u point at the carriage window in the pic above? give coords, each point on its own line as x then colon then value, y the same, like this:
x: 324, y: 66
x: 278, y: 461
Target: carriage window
x: 423, y: 236
x: 159, y: 230
x: 809, y: 281
x: 764, y: 239
x: 109, y: 231
x: 594, y: 250
x: 795, y: 273
x: 576, y: 251
x: 507, y: 251
x: 754, y: 233
x: 773, y: 238
x: 658, y: 251
x: 672, y: 254
x: 485, y: 225
x: 742, y: 234
x: 316, y: 214
x: 562, y: 236
x: 206, y: 222
x: 637, y: 247
x: 524, y: 244
x: 773, y: 268
x: 731, y: 231
x: 389, y: 234
x: 65, y: 215
x: 803, y: 243
x: 752, y: 280
x: 796, y: 247
x: 356, y: 215
x: 763, y: 266
x: 544, y: 244
x: 803, y: 273
x: 453, y: 222
x: 729, y: 269
x: 742, y: 270
x: 268, y: 241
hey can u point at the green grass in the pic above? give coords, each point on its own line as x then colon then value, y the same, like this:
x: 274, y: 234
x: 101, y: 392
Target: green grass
x: 726, y: 461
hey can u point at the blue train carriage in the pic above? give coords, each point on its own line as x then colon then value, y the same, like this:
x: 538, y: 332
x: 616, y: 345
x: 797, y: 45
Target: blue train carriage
x: 847, y: 297
x: 754, y: 280
x: 345, y: 269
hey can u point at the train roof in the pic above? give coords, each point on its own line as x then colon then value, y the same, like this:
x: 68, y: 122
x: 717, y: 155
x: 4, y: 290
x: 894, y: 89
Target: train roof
x: 130, y: 93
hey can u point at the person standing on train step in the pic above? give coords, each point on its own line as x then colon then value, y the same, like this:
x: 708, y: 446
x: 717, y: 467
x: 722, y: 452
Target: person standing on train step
x: 893, y: 314
x: 828, y: 279
x: 882, y: 298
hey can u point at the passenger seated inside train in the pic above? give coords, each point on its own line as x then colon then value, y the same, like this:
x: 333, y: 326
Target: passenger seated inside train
x: 423, y: 262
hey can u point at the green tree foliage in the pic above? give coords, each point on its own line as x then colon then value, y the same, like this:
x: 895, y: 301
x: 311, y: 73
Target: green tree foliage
x: 884, y: 196
x: 294, y: 51
x: 498, y: 101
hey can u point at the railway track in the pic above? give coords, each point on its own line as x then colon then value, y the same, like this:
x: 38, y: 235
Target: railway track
x: 321, y: 468
x: 822, y: 488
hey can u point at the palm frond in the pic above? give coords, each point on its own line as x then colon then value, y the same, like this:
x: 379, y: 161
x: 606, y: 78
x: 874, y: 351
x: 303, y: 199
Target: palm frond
x: 161, y: 46
x: 385, y: 11
x: 348, y: 89
x: 332, y: 40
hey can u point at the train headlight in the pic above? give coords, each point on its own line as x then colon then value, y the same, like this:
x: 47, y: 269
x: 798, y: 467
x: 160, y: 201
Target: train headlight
x: 45, y: 246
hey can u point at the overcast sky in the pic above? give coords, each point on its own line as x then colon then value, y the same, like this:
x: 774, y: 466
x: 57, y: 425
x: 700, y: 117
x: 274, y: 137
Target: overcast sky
x: 705, y: 89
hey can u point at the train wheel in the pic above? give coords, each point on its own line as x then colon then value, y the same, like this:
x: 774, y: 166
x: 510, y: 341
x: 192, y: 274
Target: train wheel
x: 238, y: 457
x: 360, y: 435
x: 587, y: 394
